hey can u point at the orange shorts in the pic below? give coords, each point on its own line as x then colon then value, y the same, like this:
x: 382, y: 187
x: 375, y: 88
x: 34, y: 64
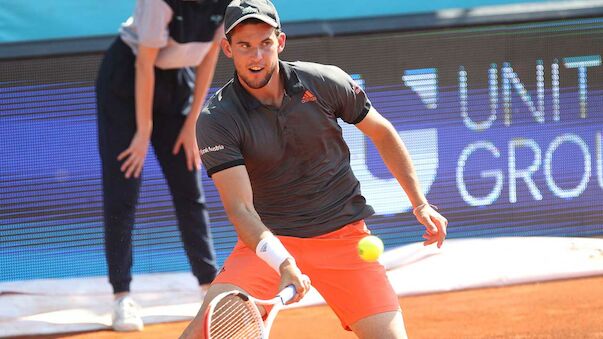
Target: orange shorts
x: 353, y: 288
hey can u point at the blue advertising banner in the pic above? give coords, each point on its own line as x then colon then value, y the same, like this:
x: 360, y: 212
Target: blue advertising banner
x: 504, y: 124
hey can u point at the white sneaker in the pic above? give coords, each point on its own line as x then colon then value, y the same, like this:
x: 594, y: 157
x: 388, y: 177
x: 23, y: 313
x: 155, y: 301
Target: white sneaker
x: 126, y: 315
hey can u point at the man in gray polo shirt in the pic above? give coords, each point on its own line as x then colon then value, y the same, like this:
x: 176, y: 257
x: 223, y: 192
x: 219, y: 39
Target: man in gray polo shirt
x: 271, y: 142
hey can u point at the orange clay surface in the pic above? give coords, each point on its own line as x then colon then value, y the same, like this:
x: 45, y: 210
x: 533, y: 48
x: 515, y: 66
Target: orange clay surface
x: 557, y: 309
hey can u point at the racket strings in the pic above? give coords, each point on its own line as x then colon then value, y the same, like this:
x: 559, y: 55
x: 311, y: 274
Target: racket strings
x: 235, y: 318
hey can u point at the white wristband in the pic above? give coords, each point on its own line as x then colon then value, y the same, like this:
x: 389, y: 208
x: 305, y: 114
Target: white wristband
x: 416, y: 209
x: 272, y: 251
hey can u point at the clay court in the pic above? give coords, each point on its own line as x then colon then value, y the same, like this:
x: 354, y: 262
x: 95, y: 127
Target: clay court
x: 556, y: 309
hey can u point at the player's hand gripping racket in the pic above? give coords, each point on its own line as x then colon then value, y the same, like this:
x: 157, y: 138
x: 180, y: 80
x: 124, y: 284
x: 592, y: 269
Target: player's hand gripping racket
x: 235, y: 314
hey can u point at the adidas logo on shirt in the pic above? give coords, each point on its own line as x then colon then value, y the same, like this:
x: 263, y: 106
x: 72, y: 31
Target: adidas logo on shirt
x: 308, y: 96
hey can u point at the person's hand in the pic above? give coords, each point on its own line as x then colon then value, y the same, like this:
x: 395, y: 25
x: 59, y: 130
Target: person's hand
x: 134, y: 155
x: 291, y: 275
x: 187, y: 140
x: 435, y: 224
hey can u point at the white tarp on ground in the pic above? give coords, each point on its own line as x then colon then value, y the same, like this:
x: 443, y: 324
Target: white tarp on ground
x: 69, y: 305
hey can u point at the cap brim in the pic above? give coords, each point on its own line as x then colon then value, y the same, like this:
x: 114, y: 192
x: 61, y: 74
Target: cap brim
x: 261, y: 17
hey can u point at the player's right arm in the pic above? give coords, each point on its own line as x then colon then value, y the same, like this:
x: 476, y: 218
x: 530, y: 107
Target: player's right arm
x: 235, y: 190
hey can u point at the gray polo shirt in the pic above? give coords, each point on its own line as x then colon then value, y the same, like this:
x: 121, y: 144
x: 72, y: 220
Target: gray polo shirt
x: 296, y: 157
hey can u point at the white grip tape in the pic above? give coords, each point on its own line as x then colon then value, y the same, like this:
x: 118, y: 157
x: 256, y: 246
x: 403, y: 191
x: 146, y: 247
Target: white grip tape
x: 272, y: 251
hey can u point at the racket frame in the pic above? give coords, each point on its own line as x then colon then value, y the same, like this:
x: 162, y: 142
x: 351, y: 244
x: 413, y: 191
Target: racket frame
x: 277, y: 303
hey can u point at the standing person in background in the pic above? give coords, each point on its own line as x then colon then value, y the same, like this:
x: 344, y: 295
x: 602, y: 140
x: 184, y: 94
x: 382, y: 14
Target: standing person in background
x: 150, y: 88
x: 271, y: 142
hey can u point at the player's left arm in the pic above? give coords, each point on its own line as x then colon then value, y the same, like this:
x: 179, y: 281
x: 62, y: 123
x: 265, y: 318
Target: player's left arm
x: 397, y: 159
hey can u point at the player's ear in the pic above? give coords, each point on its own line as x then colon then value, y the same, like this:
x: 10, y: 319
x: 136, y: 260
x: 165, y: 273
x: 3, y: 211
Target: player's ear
x: 226, y: 48
x: 281, y: 41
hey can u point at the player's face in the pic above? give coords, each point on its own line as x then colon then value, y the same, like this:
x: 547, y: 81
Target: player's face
x: 254, y: 49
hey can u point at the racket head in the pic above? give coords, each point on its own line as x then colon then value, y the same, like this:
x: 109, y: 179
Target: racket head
x: 233, y: 315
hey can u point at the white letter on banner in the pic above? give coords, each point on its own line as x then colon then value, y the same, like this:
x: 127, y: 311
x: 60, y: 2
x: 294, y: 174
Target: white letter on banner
x: 526, y: 174
x: 464, y: 99
x: 548, y: 161
x: 497, y: 174
x: 511, y: 79
x: 581, y: 63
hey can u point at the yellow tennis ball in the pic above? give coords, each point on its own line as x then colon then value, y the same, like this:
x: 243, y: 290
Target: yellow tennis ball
x: 370, y: 248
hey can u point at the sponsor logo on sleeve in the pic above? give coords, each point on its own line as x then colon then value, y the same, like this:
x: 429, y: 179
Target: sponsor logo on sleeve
x: 211, y: 149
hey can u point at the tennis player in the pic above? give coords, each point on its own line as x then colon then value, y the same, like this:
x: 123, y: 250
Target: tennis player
x: 270, y: 141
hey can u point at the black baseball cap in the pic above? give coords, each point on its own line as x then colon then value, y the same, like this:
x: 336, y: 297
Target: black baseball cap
x: 241, y: 10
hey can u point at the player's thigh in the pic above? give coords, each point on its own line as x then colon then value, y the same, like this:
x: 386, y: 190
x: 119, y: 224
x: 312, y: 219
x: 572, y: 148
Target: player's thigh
x: 243, y: 268
x: 355, y: 292
x: 383, y: 325
x: 353, y: 288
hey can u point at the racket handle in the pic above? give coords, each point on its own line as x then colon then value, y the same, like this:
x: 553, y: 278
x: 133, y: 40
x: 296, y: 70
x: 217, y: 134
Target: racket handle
x: 287, y: 294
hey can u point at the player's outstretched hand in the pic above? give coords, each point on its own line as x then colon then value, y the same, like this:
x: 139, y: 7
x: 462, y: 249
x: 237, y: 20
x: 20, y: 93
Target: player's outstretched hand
x: 435, y: 224
x: 291, y: 275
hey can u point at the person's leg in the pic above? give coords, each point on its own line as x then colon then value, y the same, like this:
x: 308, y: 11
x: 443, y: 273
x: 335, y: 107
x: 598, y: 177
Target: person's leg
x: 244, y: 271
x: 116, y: 126
x: 185, y: 186
x: 383, y: 325
x: 359, y: 292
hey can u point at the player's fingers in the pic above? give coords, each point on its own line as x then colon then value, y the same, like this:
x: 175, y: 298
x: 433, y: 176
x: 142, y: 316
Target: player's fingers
x: 303, y: 287
x: 301, y: 291
x: 441, y: 238
x: 430, y: 227
x: 441, y: 224
x: 430, y: 240
x: 307, y: 283
x: 298, y: 291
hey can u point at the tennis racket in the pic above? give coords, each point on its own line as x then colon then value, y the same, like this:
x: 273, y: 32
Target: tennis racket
x: 235, y: 314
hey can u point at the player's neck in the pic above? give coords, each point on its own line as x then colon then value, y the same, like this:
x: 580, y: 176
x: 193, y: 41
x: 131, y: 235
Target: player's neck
x: 271, y: 94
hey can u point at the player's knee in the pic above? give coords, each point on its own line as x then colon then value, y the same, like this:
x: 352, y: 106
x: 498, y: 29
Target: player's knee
x: 387, y: 325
